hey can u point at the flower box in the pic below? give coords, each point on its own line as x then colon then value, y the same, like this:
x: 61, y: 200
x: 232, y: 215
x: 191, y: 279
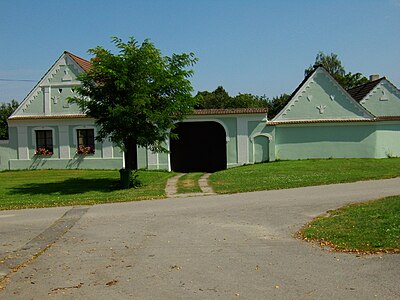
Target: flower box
x: 85, y: 150
x: 43, y: 152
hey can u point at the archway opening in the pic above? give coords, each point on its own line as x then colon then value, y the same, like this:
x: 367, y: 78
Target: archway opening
x: 200, y: 147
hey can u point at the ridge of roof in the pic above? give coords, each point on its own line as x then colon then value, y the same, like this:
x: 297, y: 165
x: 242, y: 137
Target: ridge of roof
x: 83, y: 63
x: 359, y: 92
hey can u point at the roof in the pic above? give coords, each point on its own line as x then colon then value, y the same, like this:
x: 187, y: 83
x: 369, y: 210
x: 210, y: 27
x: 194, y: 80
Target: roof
x: 388, y: 118
x: 359, y: 92
x: 65, y: 116
x: 230, y: 111
x: 297, y: 89
x: 278, y: 119
x: 320, y: 121
x: 83, y: 63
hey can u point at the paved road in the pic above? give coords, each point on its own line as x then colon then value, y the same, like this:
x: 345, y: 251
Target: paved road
x: 216, y: 247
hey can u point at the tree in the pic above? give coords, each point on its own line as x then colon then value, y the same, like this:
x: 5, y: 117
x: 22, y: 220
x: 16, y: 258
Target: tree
x: 219, y: 98
x: 249, y: 100
x: 277, y: 104
x: 334, y: 66
x: 216, y: 99
x: 6, y: 109
x: 136, y: 96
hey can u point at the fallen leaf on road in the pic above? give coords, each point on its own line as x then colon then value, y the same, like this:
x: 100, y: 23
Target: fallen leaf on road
x: 112, y: 282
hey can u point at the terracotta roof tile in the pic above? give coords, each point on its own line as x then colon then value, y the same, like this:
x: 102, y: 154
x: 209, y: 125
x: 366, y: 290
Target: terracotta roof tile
x: 227, y: 111
x: 359, y: 92
x: 230, y: 111
x: 321, y: 121
x: 71, y: 116
x: 83, y: 63
x: 388, y: 118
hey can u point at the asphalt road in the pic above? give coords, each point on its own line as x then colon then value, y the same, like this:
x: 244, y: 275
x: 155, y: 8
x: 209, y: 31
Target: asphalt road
x: 215, y: 247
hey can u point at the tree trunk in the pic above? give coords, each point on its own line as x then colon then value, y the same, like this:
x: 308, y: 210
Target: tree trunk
x: 131, y: 162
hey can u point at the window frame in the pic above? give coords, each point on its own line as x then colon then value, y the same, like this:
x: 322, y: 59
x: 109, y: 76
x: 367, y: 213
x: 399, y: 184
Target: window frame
x: 85, y: 137
x: 46, y: 141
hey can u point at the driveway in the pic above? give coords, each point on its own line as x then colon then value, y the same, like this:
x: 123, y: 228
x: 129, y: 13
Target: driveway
x: 215, y: 247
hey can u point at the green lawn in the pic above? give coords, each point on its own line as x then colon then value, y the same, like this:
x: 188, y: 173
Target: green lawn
x: 189, y: 183
x: 367, y: 227
x: 290, y: 174
x: 42, y: 188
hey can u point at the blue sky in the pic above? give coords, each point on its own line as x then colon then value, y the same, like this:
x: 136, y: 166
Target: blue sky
x: 248, y: 46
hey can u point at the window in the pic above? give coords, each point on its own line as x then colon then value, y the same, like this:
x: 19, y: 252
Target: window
x: 44, y: 142
x: 85, y: 141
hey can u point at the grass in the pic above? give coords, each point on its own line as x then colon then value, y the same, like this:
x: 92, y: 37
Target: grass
x: 189, y: 183
x: 44, y: 188
x: 291, y: 174
x: 367, y: 227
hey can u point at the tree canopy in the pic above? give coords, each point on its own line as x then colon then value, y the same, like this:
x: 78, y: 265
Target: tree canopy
x: 6, y: 109
x: 334, y: 66
x: 219, y: 98
x: 136, y: 95
x: 277, y: 104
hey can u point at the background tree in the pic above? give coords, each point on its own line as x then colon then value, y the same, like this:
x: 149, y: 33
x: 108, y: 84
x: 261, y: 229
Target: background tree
x: 216, y: 99
x: 136, y: 95
x: 334, y: 66
x: 277, y: 104
x: 6, y: 109
x: 219, y: 98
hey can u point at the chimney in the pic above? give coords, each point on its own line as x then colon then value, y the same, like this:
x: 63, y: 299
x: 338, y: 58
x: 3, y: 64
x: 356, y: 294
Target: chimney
x: 373, y: 77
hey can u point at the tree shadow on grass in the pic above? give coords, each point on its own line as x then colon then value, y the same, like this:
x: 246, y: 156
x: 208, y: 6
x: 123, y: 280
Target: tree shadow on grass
x: 67, y: 187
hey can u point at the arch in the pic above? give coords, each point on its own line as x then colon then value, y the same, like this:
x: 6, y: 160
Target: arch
x: 213, y: 120
x: 261, y: 143
x: 200, y: 147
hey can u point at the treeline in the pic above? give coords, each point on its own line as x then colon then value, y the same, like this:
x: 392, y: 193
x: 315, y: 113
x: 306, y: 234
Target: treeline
x: 6, y: 109
x: 219, y: 98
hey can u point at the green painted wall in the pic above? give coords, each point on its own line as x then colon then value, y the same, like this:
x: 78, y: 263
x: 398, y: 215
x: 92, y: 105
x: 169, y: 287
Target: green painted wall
x: 262, y: 149
x: 163, y: 161
x: 35, y: 106
x: 32, y: 142
x: 231, y: 145
x: 73, y: 143
x: 6, y: 153
x: 117, y: 151
x: 64, y: 70
x: 388, y: 139
x: 325, y: 141
x: 8, y: 149
x: 383, y: 101
x: 142, y: 158
x: 52, y: 163
x: 321, y: 98
x: 59, y: 103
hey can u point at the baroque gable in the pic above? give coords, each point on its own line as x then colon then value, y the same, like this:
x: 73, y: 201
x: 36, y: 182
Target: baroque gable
x: 321, y: 98
x: 49, y: 96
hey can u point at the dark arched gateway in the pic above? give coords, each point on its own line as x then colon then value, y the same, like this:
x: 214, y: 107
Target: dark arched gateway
x: 200, y: 147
